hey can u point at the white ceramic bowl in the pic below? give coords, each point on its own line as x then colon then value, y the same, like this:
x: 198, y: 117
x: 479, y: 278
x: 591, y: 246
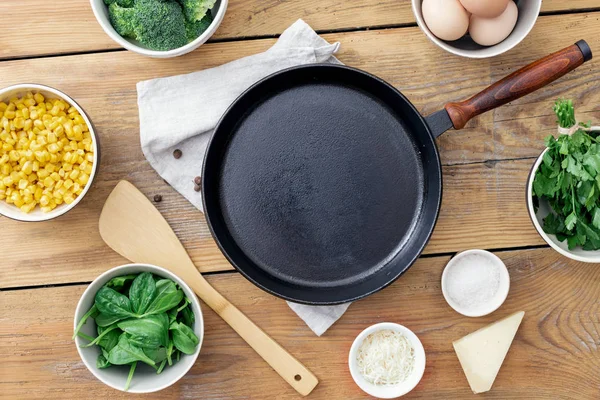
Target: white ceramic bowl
x: 537, y: 218
x: 37, y: 215
x: 495, y: 302
x: 145, y: 379
x: 465, y: 47
x: 101, y: 12
x: 388, y: 392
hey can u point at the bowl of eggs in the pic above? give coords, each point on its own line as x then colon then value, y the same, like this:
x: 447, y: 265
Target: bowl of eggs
x: 49, y: 153
x: 476, y: 28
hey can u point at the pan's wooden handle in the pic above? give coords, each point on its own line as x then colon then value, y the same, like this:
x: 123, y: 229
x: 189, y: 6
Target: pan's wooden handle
x: 520, y: 83
x: 290, y: 369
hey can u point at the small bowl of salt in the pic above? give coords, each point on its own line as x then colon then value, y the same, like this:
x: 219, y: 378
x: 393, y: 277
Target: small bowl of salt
x: 387, y: 360
x: 475, y: 283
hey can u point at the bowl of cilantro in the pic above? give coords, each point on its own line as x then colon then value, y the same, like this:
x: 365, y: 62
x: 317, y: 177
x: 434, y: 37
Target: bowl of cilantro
x: 563, y: 189
x: 159, y: 28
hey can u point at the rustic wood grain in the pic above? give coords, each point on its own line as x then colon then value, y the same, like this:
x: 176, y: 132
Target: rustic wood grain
x: 69, y: 249
x: 72, y: 27
x: 554, y: 356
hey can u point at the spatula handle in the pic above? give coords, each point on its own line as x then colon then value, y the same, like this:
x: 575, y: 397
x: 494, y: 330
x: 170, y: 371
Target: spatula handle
x: 290, y: 369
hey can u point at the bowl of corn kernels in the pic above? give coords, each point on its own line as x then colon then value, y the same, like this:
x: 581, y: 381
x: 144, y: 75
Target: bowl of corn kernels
x: 49, y: 153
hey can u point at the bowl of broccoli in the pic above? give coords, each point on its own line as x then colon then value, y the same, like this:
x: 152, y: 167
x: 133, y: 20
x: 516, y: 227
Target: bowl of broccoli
x: 159, y: 28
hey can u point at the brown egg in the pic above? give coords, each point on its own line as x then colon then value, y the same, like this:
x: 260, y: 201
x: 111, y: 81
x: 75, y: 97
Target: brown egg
x: 485, y: 8
x: 446, y: 19
x: 491, y: 31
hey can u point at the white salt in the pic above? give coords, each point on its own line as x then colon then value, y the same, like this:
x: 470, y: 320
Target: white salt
x: 473, y: 281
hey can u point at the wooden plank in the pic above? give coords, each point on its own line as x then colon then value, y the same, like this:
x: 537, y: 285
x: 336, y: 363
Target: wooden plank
x: 69, y: 249
x: 555, y: 353
x: 43, y: 28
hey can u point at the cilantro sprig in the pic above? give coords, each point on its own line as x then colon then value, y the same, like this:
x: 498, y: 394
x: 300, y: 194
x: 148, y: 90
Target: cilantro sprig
x: 569, y: 180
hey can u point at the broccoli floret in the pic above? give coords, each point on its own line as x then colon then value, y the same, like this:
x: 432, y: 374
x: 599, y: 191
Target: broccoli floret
x: 195, y: 10
x: 122, y: 3
x: 159, y: 25
x: 122, y: 19
x: 193, y: 29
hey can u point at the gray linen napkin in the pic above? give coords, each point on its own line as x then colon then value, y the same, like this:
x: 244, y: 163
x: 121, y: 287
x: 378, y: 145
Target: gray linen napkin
x: 181, y: 112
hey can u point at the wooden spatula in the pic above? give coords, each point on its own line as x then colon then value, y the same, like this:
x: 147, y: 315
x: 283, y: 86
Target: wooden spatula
x: 134, y: 228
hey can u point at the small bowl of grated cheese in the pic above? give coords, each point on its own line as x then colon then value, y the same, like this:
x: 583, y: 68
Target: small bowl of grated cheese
x: 387, y: 360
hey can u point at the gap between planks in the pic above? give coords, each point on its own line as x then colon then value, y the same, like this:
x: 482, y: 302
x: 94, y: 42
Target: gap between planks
x: 275, y: 36
x: 233, y: 271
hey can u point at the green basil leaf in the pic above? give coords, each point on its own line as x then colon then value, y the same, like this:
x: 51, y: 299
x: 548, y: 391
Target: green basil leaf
x: 147, y: 332
x: 167, y: 297
x: 109, y: 340
x: 119, y: 283
x: 102, y: 362
x: 187, y: 316
x: 113, y: 304
x: 184, y: 338
x: 104, y: 320
x: 142, y: 292
x: 125, y: 353
x: 157, y: 354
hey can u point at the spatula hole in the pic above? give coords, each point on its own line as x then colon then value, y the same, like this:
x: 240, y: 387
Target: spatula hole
x: 298, y: 378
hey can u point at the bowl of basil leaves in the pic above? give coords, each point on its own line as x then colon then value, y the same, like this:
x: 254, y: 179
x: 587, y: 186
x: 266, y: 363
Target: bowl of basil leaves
x: 563, y: 190
x: 138, y: 328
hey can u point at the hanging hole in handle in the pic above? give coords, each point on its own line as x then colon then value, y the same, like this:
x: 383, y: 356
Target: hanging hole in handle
x: 298, y: 378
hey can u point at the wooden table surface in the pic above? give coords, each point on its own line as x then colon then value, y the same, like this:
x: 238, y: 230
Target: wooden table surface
x: 44, y: 267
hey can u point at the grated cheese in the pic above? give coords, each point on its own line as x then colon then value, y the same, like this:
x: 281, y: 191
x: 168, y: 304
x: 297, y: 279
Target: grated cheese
x: 386, y: 358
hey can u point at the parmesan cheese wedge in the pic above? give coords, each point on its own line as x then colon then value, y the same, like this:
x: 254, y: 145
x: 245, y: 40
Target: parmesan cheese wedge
x: 482, y: 352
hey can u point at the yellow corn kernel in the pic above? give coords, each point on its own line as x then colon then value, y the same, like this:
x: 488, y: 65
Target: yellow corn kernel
x: 83, y: 178
x: 50, y: 167
x: 55, y: 176
x: 23, y: 183
x: 38, y: 194
x: 38, y: 97
x: 35, y: 166
x: 52, y: 137
x: 67, y: 167
x: 68, y: 184
x: 27, y: 167
x: 42, y: 174
x: 53, y: 148
x: 13, y: 155
x: 8, y: 181
x: 27, y: 197
x: 26, y: 208
x: 48, y: 182
x: 73, y: 175
x: 32, y: 178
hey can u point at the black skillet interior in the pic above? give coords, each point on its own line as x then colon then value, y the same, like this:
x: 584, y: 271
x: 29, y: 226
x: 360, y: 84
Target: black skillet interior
x: 322, y: 184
